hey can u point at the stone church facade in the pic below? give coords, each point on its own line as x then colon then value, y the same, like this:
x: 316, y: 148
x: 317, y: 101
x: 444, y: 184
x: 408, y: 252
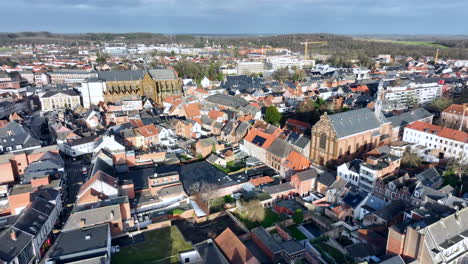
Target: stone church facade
x: 344, y: 136
x: 153, y: 84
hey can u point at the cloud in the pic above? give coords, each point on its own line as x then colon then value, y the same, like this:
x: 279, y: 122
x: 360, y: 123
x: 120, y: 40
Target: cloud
x: 237, y: 16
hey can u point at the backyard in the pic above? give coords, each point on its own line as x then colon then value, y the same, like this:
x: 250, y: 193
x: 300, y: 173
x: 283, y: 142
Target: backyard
x: 296, y: 233
x: 270, y: 219
x: 331, y: 254
x: 231, y: 166
x: 159, y: 246
x: 196, y: 233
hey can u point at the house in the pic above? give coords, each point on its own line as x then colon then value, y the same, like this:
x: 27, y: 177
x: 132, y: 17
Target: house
x: 205, y: 82
x: 14, y: 138
x: 110, y: 215
x: 453, y: 116
x: 205, y: 146
x: 297, y: 126
x: 98, y: 187
x: 150, y: 136
x: 234, y: 250
x: 188, y: 128
x: 78, y: 147
x: 388, y: 215
x: 305, y: 181
x: 444, y: 142
x: 280, y: 191
x: 294, y: 162
x: 53, y: 100
x: 29, y: 233
x: 84, y: 245
x: 286, y: 250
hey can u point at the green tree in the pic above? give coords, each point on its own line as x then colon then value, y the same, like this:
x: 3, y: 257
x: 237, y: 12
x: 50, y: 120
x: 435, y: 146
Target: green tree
x: 272, y: 115
x: 281, y: 74
x: 102, y: 58
x: 439, y: 104
x: 298, y: 75
x: 298, y: 217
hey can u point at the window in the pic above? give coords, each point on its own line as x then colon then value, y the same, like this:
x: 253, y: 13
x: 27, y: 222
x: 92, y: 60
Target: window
x: 323, y: 141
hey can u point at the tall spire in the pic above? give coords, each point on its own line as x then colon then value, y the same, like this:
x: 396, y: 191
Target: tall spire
x: 378, y: 102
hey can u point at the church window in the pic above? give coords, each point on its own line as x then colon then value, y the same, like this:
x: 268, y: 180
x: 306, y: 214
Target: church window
x: 323, y: 141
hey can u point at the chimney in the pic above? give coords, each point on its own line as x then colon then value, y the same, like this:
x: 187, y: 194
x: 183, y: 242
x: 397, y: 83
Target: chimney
x: 82, y: 222
x: 372, y: 160
x: 13, y: 235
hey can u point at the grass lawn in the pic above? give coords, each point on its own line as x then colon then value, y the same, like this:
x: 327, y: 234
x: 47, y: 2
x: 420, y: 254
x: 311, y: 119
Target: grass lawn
x: 270, y: 219
x: 217, y: 204
x: 177, y: 211
x: 160, y: 246
x: 410, y: 42
x: 296, y: 233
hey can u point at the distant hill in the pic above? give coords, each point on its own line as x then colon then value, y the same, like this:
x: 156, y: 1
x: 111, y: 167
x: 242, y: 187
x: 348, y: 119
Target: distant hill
x: 344, y: 45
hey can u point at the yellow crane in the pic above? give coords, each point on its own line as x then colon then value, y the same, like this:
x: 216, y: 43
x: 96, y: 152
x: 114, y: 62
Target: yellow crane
x: 306, y: 44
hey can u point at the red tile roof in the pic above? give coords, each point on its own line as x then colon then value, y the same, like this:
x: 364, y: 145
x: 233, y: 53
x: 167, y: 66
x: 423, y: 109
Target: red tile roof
x: 296, y: 161
x: 255, y: 132
x: 261, y: 180
x: 234, y: 250
x: 456, y: 109
x: 147, y: 131
x: 192, y: 110
x: 215, y: 114
x: 440, y: 131
x: 294, y: 122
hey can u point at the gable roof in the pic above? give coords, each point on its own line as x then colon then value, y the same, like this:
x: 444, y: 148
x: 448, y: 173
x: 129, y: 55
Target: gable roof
x: 192, y: 110
x: 296, y: 161
x: 234, y: 250
x: 98, y: 176
x: 354, y: 122
x: 408, y: 117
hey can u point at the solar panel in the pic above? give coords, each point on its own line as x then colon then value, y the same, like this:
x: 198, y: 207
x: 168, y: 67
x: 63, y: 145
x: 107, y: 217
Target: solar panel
x: 258, y: 140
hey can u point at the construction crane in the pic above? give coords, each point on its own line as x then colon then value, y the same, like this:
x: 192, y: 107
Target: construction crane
x: 306, y: 50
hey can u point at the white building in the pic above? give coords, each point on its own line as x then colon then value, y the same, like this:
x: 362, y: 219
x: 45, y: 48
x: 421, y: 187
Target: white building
x: 445, y: 142
x: 350, y: 171
x: 92, y: 92
x: 249, y: 67
x: 402, y: 97
x: 279, y: 62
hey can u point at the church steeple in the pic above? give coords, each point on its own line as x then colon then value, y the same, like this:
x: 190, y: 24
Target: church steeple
x: 378, y: 102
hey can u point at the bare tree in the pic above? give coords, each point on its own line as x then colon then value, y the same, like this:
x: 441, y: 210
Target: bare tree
x: 205, y: 192
x: 253, y: 210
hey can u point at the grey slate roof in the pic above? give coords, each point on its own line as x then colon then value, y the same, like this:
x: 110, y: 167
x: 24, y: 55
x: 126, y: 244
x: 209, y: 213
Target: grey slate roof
x: 280, y: 148
x: 18, y: 136
x: 227, y: 100
x: 93, y: 217
x: 307, y: 174
x: 354, y: 122
x: 267, y: 239
x: 156, y: 74
x: 408, y: 117
x: 87, y: 242
x: 283, y: 187
x: 11, y: 248
x: 394, y: 260
x: 51, y: 93
x: 430, y: 178
x: 242, y: 128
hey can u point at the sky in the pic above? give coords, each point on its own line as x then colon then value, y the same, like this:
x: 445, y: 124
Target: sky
x: 237, y: 16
